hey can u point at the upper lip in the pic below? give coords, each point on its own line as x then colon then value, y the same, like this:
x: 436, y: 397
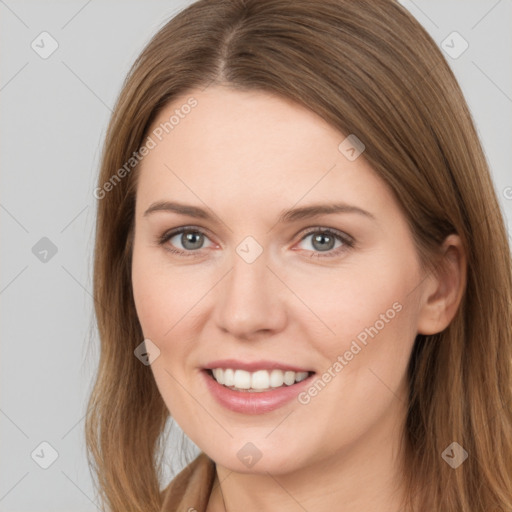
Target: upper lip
x: 252, y: 366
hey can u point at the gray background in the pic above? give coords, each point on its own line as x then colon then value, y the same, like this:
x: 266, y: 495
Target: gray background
x: 54, y: 116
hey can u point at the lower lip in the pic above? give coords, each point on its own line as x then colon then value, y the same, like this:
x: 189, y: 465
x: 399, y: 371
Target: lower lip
x: 256, y: 402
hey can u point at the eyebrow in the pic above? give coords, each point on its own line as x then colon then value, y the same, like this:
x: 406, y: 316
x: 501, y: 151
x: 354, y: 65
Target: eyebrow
x: 291, y: 215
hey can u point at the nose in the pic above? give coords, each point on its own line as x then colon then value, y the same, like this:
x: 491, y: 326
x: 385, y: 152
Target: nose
x: 249, y: 300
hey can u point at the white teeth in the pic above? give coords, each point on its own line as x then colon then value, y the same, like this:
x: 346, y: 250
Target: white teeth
x: 276, y: 378
x: 229, y: 377
x: 242, y: 379
x: 289, y: 378
x: 219, y: 375
x: 260, y: 380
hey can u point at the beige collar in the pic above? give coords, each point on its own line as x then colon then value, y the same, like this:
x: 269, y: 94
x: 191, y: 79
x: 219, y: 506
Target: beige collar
x: 191, y: 488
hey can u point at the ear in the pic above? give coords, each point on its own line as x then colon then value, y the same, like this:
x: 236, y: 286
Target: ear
x: 443, y: 290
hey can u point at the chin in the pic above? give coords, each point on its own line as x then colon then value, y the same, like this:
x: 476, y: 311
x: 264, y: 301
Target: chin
x: 255, y: 458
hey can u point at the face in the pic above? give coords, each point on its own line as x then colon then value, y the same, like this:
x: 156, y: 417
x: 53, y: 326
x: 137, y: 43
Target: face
x: 258, y: 292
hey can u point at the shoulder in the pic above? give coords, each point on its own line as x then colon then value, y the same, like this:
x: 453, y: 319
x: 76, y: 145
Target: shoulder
x: 191, y: 488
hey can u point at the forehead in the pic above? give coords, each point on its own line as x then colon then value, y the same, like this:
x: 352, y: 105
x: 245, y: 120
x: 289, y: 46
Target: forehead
x: 250, y: 148
x: 247, y: 125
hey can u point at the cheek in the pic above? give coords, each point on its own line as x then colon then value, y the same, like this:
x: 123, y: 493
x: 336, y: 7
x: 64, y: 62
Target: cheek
x: 358, y: 303
x: 153, y: 296
x: 161, y: 303
x: 373, y: 316
x: 150, y: 302
x: 162, y: 294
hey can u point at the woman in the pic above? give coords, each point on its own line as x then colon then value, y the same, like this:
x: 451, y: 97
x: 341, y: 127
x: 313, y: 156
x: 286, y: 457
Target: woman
x: 301, y: 258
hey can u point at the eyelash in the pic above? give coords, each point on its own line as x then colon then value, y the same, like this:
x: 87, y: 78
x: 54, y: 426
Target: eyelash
x: 348, y: 242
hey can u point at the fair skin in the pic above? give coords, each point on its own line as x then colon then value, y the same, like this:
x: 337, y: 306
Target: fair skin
x: 245, y: 157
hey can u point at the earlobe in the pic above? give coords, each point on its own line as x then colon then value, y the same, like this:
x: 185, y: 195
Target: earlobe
x: 444, y: 289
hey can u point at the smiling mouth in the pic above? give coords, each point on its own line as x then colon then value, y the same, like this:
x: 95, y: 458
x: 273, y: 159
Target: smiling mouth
x: 257, y: 381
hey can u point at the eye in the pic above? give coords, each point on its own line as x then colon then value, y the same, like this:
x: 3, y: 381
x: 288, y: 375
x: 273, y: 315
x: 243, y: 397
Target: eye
x: 191, y: 240
x: 324, y: 241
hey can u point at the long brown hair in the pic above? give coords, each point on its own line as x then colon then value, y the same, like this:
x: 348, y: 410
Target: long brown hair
x: 367, y: 68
